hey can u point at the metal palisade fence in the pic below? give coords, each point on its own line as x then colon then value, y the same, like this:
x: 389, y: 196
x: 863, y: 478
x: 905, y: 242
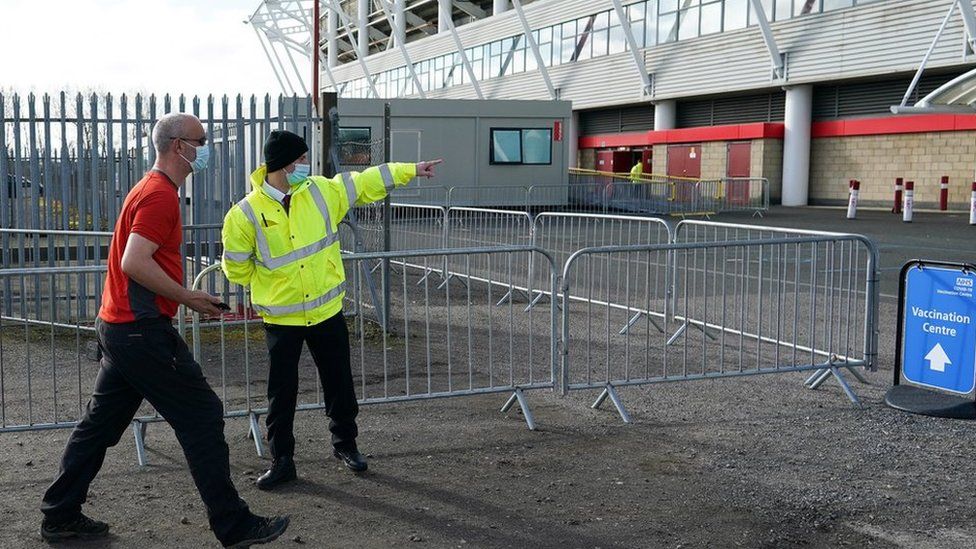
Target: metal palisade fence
x: 68, y: 162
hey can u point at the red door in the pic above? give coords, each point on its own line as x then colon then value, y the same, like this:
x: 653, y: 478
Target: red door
x: 738, y: 171
x: 622, y: 162
x: 604, y: 161
x: 647, y: 158
x: 684, y: 161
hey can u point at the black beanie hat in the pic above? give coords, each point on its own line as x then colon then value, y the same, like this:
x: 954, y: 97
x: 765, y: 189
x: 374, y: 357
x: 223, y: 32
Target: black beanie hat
x: 281, y: 148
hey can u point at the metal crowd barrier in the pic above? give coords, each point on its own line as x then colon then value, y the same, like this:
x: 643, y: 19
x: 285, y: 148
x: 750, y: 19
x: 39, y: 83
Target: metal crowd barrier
x: 640, y: 304
x: 444, y: 341
x: 740, y: 308
x: 418, y: 193
x: 490, y: 196
x: 741, y: 194
x: 857, y: 267
x: 32, y: 249
x: 412, y: 227
x: 46, y: 346
x: 696, y: 230
x: 666, y: 195
x: 600, y: 192
x: 564, y: 233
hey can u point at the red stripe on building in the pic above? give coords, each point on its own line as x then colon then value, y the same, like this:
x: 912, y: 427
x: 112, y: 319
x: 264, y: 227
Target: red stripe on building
x: 734, y: 132
x: 923, y: 123
x: 889, y: 125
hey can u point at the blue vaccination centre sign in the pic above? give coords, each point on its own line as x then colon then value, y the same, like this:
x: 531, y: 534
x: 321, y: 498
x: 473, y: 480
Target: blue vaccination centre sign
x: 939, y: 349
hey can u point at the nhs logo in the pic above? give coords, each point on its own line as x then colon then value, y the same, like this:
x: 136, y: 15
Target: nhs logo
x: 964, y: 286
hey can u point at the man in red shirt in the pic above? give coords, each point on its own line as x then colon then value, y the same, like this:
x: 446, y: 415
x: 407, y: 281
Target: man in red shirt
x: 143, y: 357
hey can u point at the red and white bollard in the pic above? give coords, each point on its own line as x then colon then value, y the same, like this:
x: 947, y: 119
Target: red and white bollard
x: 899, y: 185
x: 906, y: 214
x: 855, y: 187
x: 944, y: 193
x: 972, y: 206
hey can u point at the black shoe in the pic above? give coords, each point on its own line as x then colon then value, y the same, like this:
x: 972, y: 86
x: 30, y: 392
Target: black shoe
x: 282, y: 470
x: 261, y: 530
x: 81, y: 527
x: 352, y: 458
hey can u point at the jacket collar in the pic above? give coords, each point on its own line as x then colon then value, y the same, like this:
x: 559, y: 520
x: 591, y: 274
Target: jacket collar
x: 259, y: 175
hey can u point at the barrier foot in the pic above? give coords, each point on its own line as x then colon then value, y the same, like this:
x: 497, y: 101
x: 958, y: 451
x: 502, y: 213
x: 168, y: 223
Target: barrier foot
x: 535, y: 301
x: 427, y: 274
x: 254, y: 431
x: 818, y: 378
x: 813, y: 377
x: 139, y: 430
x: 660, y: 329
x: 847, y: 388
x: 704, y: 330
x: 506, y: 297
x: 677, y: 334
x: 822, y: 375
x: 630, y: 323
x: 519, y: 396
x: 609, y: 391
x: 856, y: 374
x: 448, y: 280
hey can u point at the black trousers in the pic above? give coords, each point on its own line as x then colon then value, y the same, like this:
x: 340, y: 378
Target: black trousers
x: 149, y: 359
x: 328, y: 342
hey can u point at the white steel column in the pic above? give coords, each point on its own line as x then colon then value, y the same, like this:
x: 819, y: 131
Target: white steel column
x: 767, y: 33
x: 499, y: 6
x: 635, y: 51
x: 400, y: 32
x: 362, y: 35
x: 360, y: 53
x: 332, y: 33
x: 796, y: 145
x: 665, y: 115
x: 464, y: 57
x: 969, y: 21
x: 445, y: 15
x: 399, y: 22
x: 527, y: 29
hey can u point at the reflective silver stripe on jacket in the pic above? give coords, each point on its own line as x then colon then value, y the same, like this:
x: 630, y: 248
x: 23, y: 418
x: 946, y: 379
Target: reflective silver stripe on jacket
x: 271, y: 263
x: 350, y: 188
x: 237, y: 256
x: 388, y: 180
x: 280, y: 310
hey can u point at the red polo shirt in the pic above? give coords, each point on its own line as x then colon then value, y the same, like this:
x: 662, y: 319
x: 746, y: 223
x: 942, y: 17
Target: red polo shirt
x: 151, y: 210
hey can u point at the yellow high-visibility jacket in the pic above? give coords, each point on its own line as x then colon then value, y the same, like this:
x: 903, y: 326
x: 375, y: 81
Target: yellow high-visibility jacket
x: 291, y: 260
x: 636, y: 172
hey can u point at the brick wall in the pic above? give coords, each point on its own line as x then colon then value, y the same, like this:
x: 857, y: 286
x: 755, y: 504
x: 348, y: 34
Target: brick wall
x: 660, y: 160
x: 767, y: 161
x: 714, y: 156
x: 586, y: 159
x: 877, y: 160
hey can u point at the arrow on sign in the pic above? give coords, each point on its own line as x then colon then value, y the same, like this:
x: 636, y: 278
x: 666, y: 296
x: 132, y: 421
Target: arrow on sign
x: 938, y: 358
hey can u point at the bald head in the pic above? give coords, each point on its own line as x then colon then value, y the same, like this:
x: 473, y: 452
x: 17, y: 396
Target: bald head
x: 172, y: 126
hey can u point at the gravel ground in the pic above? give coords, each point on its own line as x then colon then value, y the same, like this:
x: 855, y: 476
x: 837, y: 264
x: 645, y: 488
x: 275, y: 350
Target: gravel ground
x: 749, y: 462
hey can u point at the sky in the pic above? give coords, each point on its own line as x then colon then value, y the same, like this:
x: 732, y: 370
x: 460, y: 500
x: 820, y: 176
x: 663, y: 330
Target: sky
x: 124, y: 46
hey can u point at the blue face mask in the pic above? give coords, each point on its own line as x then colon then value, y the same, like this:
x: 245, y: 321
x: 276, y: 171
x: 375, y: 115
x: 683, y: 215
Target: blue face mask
x: 300, y: 174
x: 200, y: 162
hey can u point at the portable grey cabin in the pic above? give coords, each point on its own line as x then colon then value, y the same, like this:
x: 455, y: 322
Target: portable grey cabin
x: 493, y: 150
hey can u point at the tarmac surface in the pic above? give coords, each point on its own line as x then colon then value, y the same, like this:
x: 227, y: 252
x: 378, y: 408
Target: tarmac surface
x: 757, y: 461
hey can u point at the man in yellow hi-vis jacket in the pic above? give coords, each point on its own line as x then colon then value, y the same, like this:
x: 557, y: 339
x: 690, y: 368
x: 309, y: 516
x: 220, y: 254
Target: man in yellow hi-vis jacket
x: 636, y: 172
x: 282, y: 240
